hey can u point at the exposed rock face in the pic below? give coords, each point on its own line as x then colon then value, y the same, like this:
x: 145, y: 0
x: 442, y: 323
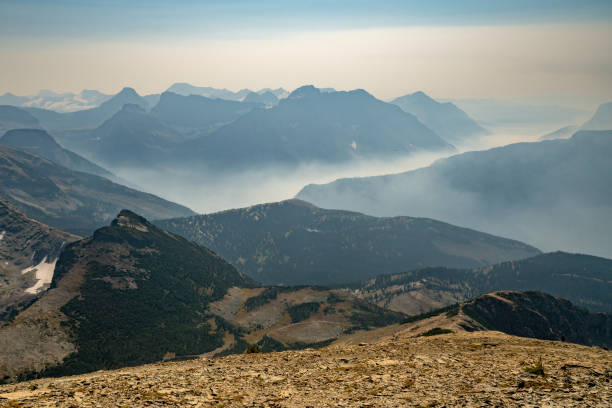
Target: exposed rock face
x: 461, y: 369
x: 28, y: 253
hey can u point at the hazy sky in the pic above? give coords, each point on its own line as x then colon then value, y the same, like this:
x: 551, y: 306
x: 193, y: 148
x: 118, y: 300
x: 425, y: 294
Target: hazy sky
x: 447, y: 48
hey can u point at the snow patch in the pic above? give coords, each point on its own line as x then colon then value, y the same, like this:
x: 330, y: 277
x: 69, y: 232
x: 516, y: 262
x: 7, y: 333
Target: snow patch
x: 44, y: 275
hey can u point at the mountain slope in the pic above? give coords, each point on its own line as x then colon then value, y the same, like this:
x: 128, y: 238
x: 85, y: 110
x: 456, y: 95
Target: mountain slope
x: 15, y: 118
x: 70, y: 200
x: 311, y: 125
x: 553, y: 194
x: 541, y: 316
x: 562, y: 133
x: 601, y: 120
x: 198, y: 112
x: 526, y: 314
x: 28, y: 253
x: 128, y: 295
x: 130, y: 137
x: 446, y: 119
x: 585, y: 280
x: 133, y: 293
x: 39, y: 142
x: 294, y: 242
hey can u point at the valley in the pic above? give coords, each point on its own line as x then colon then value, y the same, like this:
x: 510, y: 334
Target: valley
x: 305, y: 204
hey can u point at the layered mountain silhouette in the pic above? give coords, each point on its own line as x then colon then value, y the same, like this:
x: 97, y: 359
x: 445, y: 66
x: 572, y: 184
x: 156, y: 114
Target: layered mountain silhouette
x: 310, y: 125
x: 88, y: 118
x: 133, y: 294
x: 199, y: 112
x: 39, y: 142
x: 266, y: 98
x: 28, y: 253
x: 554, y: 194
x: 130, y: 137
x: 15, y: 118
x: 583, y: 279
x: 532, y: 314
x: 185, y: 89
x: 197, y: 132
x: 294, y: 242
x: 446, y: 119
x: 71, y: 200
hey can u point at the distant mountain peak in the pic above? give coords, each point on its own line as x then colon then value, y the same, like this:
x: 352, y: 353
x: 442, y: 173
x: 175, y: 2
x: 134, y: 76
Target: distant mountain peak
x: 304, y: 91
x: 128, y: 91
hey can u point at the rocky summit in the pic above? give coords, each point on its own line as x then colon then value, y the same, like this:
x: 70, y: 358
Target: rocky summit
x: 481, y: 369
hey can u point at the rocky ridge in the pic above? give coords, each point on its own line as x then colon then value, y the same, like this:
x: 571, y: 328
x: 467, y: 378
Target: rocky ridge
x: 462, y: 369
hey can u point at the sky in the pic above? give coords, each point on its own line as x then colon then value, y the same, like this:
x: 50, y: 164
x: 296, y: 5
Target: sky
x: 530, y: 50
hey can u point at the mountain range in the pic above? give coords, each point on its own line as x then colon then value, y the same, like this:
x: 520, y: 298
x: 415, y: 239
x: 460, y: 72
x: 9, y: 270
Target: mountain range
x: 199, y: 112
x: 133, y: 293
x: 585, y: 280
x: 293, y: 242
x: 529, y: 314
x: 196, y: 132
x: 59, y: 123
x: 553, y: 194
x: 446, y: 119
x: 186, y: 89
x: 59, y: 102
x: 71, y: 200
x: 39, y: 142
x: 310, y: 125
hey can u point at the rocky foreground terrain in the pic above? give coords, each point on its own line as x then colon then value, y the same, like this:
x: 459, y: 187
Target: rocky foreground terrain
x: 459, y: 369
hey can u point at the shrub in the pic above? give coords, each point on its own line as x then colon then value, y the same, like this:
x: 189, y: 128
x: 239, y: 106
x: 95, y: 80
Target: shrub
x: 434, y: 332
x: 537, y: 368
